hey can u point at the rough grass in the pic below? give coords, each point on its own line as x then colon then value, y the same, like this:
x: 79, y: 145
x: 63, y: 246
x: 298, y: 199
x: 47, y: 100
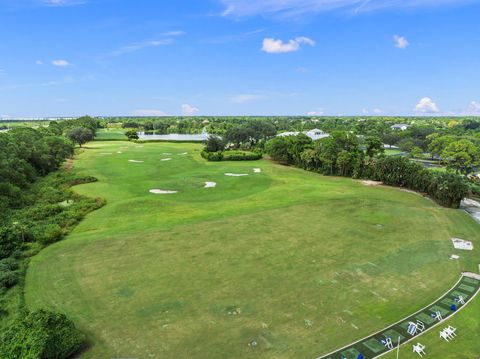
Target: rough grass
x: 298, y: 262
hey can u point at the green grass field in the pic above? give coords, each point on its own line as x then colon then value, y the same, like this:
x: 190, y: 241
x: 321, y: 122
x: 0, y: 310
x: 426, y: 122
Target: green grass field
x: 300, y: 263
x: 109, y: 134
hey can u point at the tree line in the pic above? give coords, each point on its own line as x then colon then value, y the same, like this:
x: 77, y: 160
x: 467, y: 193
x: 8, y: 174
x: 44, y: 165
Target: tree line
x: 342, y: 155
x: 37, y: 208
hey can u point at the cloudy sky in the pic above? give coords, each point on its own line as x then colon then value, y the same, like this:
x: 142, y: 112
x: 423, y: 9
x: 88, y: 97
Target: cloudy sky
x: 239, y: 57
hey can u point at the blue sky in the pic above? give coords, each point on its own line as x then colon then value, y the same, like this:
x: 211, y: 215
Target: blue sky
x: 239, y: 57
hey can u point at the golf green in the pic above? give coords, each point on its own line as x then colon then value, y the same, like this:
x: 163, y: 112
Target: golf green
x: 278, y: 264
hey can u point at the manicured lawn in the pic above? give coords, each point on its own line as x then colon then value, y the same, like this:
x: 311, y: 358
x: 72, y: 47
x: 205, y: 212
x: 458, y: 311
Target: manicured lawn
x: 107, y: 134
x: 393, y: 152
x: 300, y: 263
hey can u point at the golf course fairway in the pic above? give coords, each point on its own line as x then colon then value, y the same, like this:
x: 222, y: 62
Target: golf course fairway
x: 281, y: 263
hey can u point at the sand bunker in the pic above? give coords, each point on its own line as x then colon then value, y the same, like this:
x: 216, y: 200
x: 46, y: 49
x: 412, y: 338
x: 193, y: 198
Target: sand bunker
x: 135, y: 161
x: 166, y: 159
x: 462, y: 244
x: 210, y: 184
x: 161, y: 191
x: 257, y: 170
x: 371, y: 183
x: 236, y: 174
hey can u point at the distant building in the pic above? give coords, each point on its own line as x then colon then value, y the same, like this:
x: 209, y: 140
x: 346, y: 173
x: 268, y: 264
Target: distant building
x: 286, y: 134
x: 314, y: 134
x: 400, y: 126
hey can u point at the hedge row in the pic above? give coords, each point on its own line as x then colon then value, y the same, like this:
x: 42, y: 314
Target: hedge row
x: 231, y: 156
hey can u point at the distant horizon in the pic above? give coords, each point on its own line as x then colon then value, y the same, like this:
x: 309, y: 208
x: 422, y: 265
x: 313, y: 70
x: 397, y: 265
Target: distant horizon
x: 52, y: 118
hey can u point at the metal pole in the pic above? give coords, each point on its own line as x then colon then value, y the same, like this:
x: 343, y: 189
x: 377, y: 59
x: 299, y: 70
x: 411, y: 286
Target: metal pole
x: 398, y: 347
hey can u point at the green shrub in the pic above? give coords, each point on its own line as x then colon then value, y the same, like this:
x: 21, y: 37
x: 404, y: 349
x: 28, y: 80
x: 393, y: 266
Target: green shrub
x: 49, y: 233
x: 40, y: 335
x: 231, y: 156
x: 8, y: 279
x: 212, y: 156
x: 8, y: 264
x: 241, y: 156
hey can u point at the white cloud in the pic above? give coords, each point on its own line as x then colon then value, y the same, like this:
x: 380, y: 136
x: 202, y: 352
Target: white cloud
x: 148, y: 112
x: 400, y: 42
x: 139, y: 46
x: 286, y: 9
x: 60, y: 63
x: 426, y: 105
x: 39, y: 62
x: 274, y: 46
x: 377, y: 111
x: 365, y: 111
x: 317, y: 112
x: 474, y: 108
x: 244, y: 98
x: 189, y: 110
x: 60, y: 3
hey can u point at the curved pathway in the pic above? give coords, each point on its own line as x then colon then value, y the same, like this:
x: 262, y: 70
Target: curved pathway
x: 374, y: 345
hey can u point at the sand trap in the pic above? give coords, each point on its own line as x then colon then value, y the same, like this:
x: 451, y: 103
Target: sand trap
x: 210, y: 184
x: 462, y: 244
x: 371, y: 183
x: 135, y: 161
x: 106, y: 153
x: 166, y: 159
x: 161, y: 191
x: 257, y: 170
x: 236, y: 174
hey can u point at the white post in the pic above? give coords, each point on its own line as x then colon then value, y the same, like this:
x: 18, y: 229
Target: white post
x: 398, y: 348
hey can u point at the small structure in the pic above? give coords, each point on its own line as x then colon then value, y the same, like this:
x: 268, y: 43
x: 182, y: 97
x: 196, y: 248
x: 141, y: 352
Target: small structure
x: 400, y: 126
x: 388, y: 343
x: 286, y: 134
x: 314, y: 134
x: 419, y: 349
x: 448, y: 333
x: 438, y: 316
x: 412, y: 328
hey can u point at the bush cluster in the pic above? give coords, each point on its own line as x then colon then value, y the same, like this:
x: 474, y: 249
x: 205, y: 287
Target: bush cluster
x: 40, y: 334
x: 230, y: 156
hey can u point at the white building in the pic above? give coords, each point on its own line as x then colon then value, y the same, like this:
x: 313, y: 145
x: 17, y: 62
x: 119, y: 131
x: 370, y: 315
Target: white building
x: 314, y: 134
x: 400, y: 126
